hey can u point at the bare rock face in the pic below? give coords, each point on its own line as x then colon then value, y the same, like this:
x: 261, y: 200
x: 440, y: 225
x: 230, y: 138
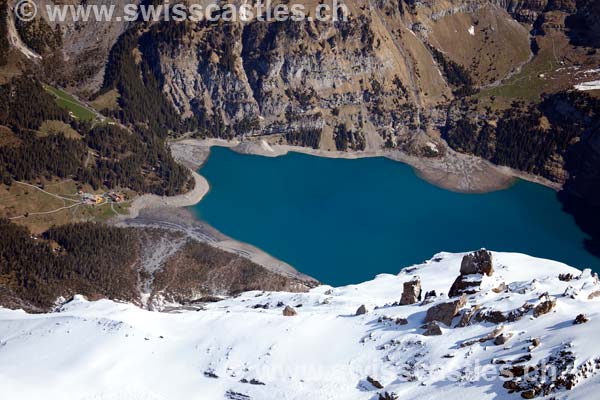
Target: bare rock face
x: 445, y: 312
x: 289, y: 312
x: 479, y: 262
x: 361, y: 310
x: 472, y: 268
x: 412, y: 292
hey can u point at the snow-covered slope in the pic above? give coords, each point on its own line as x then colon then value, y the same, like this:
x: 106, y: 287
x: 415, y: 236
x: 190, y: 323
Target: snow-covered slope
x: 244, y: 347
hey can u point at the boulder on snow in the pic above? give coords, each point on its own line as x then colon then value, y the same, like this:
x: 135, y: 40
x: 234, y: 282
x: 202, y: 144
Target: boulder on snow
x: 500, y: 288
x: 502, y: 338
x: 412, y: 292
x: 566, y: 277
x: 361, y: 310
x: 593, y: 295
x: 581, y: 319
x: 544, y: 307
x: 445, y: 312
x: 432, y: 329
x: 374, y: 382
x: 289, y: 312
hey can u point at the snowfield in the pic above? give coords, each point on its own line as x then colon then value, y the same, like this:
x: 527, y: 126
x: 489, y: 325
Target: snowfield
x: 245, y: 348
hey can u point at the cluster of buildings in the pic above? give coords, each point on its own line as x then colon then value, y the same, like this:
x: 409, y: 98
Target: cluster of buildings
x: 95, y: 199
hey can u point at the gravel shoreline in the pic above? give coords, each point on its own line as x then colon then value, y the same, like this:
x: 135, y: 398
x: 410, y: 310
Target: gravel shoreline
x: 455, y: 171
x: 152, y: 201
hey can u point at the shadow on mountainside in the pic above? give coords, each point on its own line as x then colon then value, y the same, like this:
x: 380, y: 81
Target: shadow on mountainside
x: 581, y: 194
x: 587, y: 217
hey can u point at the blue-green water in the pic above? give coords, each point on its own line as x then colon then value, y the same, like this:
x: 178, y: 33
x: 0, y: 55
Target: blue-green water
x: 344, y: 221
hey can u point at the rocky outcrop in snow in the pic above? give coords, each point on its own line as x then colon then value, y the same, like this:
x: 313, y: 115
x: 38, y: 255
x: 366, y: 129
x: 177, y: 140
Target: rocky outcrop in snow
x: 411, y: 293
x: 472, y: 268
x: 497, y: 350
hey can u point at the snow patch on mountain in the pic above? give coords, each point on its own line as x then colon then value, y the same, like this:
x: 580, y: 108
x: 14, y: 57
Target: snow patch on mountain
x: 330, y: 347
x: 585, y: 86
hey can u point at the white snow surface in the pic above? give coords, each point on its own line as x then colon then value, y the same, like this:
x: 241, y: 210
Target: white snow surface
x: 110, y: 350
x: 585, y: 86
x: 471, y: 30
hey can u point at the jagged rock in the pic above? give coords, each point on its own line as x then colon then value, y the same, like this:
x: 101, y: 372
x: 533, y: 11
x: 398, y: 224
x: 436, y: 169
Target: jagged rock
x: 566, y: 277
x: 374, y: 382
x: 472, y: 268
x: 479, y: 262
x: 544, y: 307
x: 412, y: 292
x: 500, y: 288
x: 397, y: 321
x: 361, y: 310
x: 502, y: 339
x: 593, y: 295
x: 289, y: 312
x: 522, y: 359
x: 528, y: 394
x: 211, y: 374
x: 432, y: 329
x: 445, y: 312
x: 581, y: 319
x: 231, y: 395
x: 490, y: 336
x: 570, y: 292
x: 429, y: 297
x: 498, y: 317
x: 465, y: 284
x: 467, y: 315
x: 252, y: 381
x: 511, y: 386
x: 388, y: 396
x: 535, y: 343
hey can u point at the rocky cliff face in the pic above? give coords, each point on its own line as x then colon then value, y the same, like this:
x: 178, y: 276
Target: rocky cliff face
x: 385, y: 78
x: 276, y: 77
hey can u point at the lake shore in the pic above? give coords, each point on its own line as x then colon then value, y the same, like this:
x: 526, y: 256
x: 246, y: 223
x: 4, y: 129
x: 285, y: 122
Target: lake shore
x: 455, y: 171
x: 152, y: 201
x: 169, y: 212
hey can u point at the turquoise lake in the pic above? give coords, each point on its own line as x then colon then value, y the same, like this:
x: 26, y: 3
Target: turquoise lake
x: 345, y: 221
